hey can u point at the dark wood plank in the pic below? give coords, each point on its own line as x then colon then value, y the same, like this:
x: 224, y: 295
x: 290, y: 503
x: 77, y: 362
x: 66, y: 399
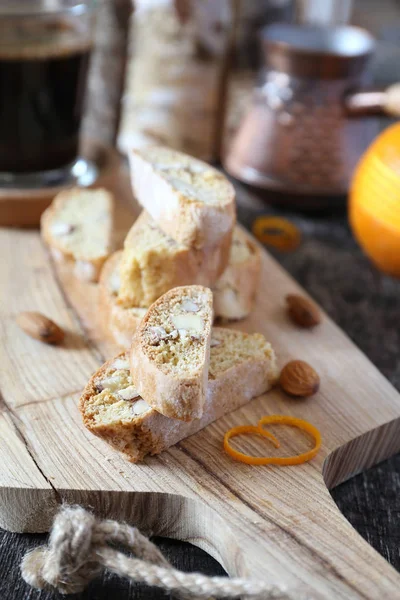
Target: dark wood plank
x: 107, y: 587
x: 371, y: 502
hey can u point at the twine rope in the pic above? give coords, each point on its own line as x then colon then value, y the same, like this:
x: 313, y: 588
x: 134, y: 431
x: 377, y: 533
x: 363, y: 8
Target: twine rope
x: 79, y: 550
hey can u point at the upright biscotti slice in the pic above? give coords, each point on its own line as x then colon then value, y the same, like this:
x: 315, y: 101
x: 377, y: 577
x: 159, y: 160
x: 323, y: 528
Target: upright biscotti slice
x: 242, y: 366
x: 170, y: 352
x: 118, y: 323
x: 153, y: 263
x: 191, y: 201
x: 78, y: 227
x: 235, y: 290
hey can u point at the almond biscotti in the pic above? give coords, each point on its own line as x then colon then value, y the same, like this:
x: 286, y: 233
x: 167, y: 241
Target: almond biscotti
x: 118, y: 323
x: 170, y: 352
x: 235, y: 290
x: 77, y: 227
x: 153, y: 263
x: 242, y: 366
x: 191, y: 201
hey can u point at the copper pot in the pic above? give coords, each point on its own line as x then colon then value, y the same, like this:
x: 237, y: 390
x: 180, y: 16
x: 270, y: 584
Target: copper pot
x: 300, y: 134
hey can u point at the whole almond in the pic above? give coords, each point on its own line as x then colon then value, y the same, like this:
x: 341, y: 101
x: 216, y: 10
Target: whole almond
x: 302, y: 311
x: 298, y: 378
x: 40, y: 327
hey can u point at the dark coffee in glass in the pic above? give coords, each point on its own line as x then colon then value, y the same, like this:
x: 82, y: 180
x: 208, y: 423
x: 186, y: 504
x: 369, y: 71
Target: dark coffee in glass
x: 44, y: 58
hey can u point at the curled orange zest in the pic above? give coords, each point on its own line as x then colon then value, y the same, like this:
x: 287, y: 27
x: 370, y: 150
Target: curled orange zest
x: 277, y: 232
x: 300, y: 424
x: 251, y: 460
x: 259, y: 430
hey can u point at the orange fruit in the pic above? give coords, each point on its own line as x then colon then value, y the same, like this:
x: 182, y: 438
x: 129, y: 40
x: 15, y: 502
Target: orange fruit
x: 374, y: 206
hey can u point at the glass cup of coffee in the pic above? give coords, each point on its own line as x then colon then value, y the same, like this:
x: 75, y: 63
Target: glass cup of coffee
x: 45, y: 47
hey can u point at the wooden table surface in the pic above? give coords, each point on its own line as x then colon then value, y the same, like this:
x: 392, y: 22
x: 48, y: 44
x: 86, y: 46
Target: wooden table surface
x: 365, y: 304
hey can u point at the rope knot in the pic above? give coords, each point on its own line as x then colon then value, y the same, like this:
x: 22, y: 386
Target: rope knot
x: 68, y: 563
x: 80, y: 546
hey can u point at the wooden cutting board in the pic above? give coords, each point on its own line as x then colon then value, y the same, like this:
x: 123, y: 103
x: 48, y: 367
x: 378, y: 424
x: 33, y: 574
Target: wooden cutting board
x: 272, y: 523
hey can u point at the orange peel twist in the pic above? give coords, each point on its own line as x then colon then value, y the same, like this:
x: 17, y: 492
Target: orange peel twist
x: 259, y: 430
x: 277, y: 232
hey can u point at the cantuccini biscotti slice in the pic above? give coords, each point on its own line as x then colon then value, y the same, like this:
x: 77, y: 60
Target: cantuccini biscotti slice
x: 191, y: 201
x: 242, y: 366
x: 153, y: 263
x: 235, y: 290
x: 78, y: 227
x: 233, y: 293
x: 118, y: 322
x: 170, y: 352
